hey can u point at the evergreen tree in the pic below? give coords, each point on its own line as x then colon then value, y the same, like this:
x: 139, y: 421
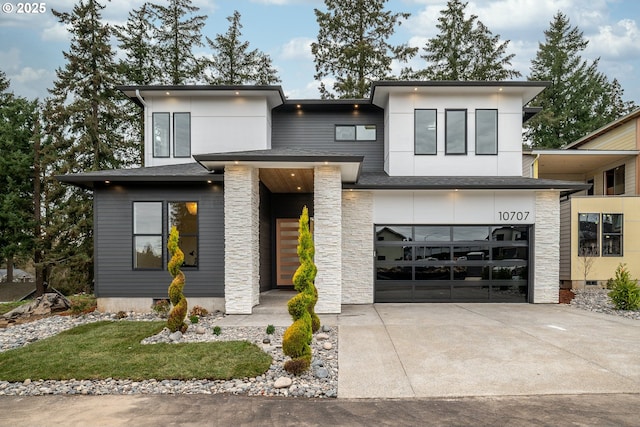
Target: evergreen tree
x: 580, y: 100
x: 465, y: 49
x: 135, y: 39
x: 17, y: 120
x: 353, y: 47
x: 84, y: 128
x: 234, y: 64
x: 177, y: 32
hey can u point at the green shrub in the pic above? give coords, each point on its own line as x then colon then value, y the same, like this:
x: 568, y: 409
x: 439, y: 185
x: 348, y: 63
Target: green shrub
x: 625, y: 293
x: 270, y: 329
x: 161, y: 307
x: 194, y: 319
x: 179, y: 311
x: 217, y: 330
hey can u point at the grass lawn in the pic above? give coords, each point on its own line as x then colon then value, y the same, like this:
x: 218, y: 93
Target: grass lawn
x: 112, y: 350
x: 6, y: 307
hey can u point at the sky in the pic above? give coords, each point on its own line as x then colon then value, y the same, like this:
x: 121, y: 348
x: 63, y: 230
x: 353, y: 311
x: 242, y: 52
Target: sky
x: 32, y: 44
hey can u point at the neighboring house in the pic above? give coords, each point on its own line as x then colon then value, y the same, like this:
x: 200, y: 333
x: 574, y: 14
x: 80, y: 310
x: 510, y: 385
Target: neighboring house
x: 416, y: 194
x: 600, y: 227
x: 18, y: 275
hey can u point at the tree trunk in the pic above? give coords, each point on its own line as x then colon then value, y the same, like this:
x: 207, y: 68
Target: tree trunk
x: 37, y: 214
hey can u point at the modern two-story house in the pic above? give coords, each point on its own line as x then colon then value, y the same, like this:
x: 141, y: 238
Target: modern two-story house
x: 417, y: 194
x: 600, y: 226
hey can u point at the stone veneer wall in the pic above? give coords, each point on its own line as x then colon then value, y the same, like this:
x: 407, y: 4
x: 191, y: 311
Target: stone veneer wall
x: 357, y: 247
x: 328, y: 237
x: 241, y: 236
x: 546, y: 278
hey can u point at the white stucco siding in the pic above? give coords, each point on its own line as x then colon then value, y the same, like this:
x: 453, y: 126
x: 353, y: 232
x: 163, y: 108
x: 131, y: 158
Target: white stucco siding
x: 399, y: 149
x: 218, y: 125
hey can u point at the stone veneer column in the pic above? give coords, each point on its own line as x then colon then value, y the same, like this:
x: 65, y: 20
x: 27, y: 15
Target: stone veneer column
x: 241, y: 237
x: 357, y: 247
x: 327, y: 237
x: 546, y: 278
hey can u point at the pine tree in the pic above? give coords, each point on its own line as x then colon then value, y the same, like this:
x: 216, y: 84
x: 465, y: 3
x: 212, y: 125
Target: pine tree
x: 135, y: 39
x: 353, y: 46
x: 17, y: 122
x: 465, y: 49
x: 234, y: 64
x: 84, y: 128
x: 580, y: 100
x: 177, y: 33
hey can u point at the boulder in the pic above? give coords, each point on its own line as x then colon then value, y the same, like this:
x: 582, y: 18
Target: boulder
x: 41, y: 306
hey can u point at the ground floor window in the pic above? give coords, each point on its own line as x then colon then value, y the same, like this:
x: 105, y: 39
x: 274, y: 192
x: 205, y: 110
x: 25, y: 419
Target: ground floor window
x: 425, y: 263
x: 592, y: 236
x: 150, y: 233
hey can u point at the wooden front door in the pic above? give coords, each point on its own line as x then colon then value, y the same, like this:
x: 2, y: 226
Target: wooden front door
x: 286, y: 250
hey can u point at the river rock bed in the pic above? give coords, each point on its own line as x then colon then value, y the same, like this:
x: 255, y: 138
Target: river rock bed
x: 321, y: 381
x: 597, y: 300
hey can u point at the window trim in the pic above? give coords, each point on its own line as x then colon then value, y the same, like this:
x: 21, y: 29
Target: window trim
x: 134, y: 235
x: 446, y: 131
x: 496, y: 132
x: 153, y: 134
x: 355, y: 132
x: 175, y: 139
x: 415, y: 132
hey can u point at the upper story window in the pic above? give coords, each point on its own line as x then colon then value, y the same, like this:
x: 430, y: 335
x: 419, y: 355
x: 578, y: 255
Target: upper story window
x: 425, y: 131
x: 455, y: 131
x: 486, y: 131
x: 181, y: 135
x: 614, y: 181
x: 160, y: 134
x: 355, y: 132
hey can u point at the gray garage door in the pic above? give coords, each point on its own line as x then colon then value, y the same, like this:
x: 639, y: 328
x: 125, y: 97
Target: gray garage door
x: 434, y: 263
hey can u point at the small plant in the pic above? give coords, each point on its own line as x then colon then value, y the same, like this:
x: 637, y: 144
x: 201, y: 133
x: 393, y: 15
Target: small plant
x: 625, y: 293
x: 197, y: 310
x: 194, y: 319
x: 161, y: 307
x: 121, y: 315
x: 216, y: 330
x: 271, y: 329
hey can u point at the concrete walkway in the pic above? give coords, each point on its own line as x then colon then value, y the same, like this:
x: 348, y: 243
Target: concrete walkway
x: 452, y: 350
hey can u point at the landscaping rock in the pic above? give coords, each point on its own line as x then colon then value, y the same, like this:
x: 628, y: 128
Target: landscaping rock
x: 327, y: 346
x: 176, y: 336
x: 41, y: 306
x: 200, y: 330
x: 322, y: 337
x: 283, y: 382
x: 326, y: 328
x: 322, y: 373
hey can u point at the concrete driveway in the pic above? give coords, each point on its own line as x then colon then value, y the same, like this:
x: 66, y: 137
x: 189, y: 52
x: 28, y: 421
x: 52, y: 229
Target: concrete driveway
x: 444, y: 350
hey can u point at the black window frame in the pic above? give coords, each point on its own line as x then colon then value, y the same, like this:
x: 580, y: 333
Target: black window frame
x: 153, y: 134
x: 495, y: 143
x: 415, y: 132
x: 608, y: 234
x: 355, y: 132
x: 447, y: 149
x: 175, y: 136
x: 135, y: 234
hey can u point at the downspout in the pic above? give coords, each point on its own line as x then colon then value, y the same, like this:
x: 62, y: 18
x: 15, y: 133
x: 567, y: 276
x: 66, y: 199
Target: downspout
x: 144, y: 121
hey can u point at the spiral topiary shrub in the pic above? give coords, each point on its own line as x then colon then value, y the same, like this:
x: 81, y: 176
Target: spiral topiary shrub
x: 179, y: 310
x: 297, y: 338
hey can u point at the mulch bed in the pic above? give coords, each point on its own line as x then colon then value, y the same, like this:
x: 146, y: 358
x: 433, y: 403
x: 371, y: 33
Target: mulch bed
x: 566, y: 295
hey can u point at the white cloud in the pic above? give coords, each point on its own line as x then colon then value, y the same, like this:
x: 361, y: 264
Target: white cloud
x: 297, y: 48
x: 620, y: 41
x: 56, y: 32
x: 28, y: 74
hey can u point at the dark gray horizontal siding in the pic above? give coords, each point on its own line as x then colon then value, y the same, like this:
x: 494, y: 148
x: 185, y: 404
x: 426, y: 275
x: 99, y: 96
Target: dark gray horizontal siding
x: 315, y: 130
x: 114, y: 275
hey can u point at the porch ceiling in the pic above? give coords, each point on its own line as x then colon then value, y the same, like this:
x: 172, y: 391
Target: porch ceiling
x: 288, y: 180
x: 560, y: 162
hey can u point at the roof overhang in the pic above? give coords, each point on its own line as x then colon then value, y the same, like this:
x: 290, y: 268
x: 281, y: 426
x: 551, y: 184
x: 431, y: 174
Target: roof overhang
x: 350, y: 165
x: 528, y: 90
x: 273, y: 94
x: 566, y: 162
